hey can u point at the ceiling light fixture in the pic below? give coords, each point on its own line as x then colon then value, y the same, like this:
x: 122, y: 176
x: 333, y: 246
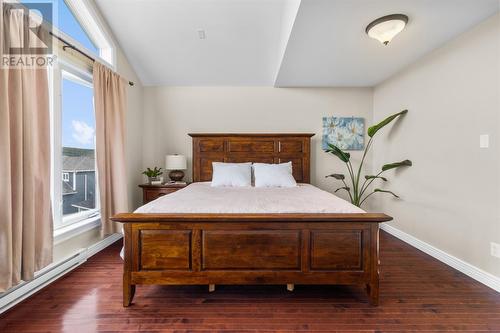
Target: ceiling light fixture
x: 384, y: 29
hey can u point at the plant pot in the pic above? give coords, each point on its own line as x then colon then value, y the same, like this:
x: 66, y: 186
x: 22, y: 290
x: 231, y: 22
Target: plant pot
x: 153, y: 179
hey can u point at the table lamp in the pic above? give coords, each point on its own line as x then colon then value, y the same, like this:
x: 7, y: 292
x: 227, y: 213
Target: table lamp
x: 176, y: 164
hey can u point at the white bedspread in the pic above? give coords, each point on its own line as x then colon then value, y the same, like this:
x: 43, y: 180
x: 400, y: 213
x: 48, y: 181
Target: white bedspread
x: 202, y: 198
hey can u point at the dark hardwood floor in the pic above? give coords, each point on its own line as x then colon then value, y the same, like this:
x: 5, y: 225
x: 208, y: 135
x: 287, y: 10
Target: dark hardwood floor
x: 417, y: 293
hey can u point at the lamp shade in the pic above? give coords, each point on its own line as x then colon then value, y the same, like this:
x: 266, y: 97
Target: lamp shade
x: 175, y: 162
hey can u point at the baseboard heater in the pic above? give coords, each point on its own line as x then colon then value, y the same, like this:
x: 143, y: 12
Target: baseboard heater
x: 51, y: 273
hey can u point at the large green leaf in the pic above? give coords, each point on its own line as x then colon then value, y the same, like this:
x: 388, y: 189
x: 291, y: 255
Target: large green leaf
x: 373, y: 177
x: 375, y: 128
x: 344, y: 156
x: 337, y: 176
x: 385, y: 191
x: 396, y: 165
x: 342, y: 188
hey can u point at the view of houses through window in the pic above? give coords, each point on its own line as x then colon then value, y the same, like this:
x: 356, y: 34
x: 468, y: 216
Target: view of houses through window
x: 78, y: 148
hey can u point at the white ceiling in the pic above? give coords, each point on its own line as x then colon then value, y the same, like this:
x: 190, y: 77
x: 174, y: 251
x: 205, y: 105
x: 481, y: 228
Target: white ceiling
x: 284, y: 43
x: 160, y: 39
x: 329, y: 47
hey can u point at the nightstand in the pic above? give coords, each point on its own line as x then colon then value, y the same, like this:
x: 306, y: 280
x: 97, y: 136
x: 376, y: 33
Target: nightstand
x: 152, y: 192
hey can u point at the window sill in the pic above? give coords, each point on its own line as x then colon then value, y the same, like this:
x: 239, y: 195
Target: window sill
x: 64, y: 233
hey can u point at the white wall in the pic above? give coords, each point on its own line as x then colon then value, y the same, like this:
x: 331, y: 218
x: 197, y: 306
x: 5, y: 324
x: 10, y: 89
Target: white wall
x: 173, y: 112
x: 451, y: 194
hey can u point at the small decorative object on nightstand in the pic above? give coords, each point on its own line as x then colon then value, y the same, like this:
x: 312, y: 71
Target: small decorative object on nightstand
x: 153, y: 175
x: 176, y: 163
x: 152, y: 192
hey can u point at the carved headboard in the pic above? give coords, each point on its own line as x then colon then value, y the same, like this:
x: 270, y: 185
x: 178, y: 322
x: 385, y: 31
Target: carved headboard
x: 259, y: 148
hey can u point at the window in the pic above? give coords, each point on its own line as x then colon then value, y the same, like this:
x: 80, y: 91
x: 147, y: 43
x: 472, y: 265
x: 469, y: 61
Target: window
x: 78, y: 23
x: 78, y: 144
x: 68, y: 23
x: 76, y: 196
x: 75, y: 191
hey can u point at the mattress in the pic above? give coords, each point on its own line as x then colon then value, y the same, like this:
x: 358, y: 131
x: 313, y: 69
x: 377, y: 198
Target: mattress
x: 202, y: 198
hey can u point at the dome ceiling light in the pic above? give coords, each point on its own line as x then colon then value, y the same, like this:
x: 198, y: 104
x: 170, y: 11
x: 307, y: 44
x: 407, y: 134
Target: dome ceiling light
x: 384, y: 29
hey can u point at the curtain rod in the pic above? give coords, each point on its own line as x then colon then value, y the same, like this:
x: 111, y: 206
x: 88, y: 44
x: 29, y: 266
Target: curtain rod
x: 68, y: 45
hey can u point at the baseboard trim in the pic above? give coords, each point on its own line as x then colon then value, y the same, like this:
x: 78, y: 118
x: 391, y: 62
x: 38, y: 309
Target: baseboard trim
x: 52, y: 272
x: 470, y: 270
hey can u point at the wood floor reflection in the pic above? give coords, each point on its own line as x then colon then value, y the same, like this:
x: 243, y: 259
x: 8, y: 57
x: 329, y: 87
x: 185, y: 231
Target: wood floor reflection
x: 418, y: 293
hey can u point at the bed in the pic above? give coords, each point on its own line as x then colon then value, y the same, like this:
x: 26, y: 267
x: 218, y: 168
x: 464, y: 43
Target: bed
x: 207, y: 235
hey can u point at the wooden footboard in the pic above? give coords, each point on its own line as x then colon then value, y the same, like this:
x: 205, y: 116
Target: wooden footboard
x: 251, y: 249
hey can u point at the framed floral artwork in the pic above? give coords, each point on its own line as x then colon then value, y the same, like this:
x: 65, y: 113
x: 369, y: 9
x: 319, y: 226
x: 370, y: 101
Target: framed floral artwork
x: 347, y: 133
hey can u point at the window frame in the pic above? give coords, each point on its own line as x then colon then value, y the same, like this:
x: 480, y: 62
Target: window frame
x: 65, y: 70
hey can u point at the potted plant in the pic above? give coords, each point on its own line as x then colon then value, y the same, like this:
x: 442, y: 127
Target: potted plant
x: 153, y: 174
x: 358, y: 192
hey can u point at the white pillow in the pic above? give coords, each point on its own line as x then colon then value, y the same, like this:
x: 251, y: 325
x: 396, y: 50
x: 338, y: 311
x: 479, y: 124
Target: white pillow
x: 273, y: 175
x: 231, y: 174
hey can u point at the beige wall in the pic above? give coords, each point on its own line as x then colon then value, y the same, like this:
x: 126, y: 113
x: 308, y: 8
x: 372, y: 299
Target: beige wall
x: 172, y: 112
x: 134, y: 131
x: 451, y: 194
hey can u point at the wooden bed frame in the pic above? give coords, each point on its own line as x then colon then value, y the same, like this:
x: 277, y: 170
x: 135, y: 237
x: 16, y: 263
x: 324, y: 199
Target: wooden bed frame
x: 289, y: 249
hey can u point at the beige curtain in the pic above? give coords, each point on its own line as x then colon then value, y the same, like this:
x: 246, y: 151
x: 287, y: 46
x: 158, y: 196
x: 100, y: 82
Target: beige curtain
x: 25, y: 209
x: 110, y: 107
